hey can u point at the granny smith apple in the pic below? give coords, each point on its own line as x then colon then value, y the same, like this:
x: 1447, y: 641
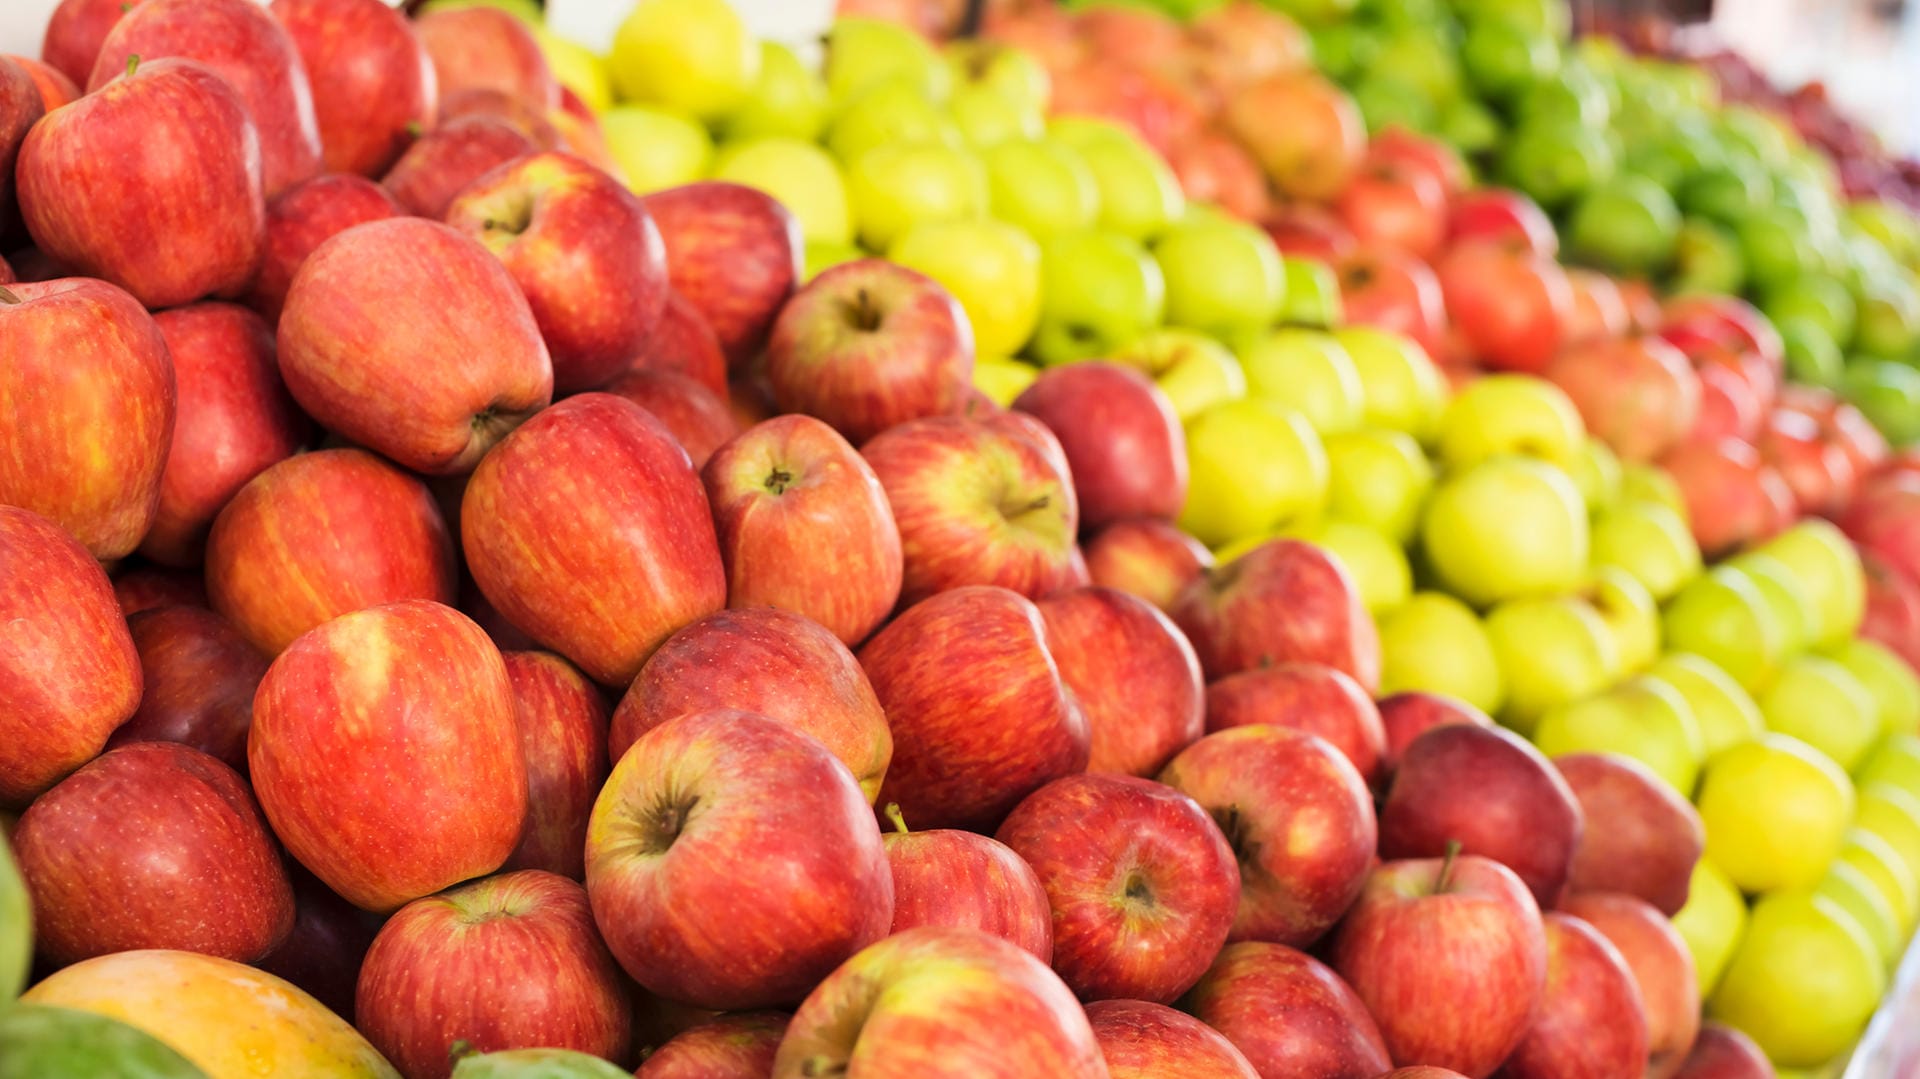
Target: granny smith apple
x: 1043, y: 187
x: 1776, y: 812
x: 1889, y: 325
x: 1821, y: 703
x: 1648, y: 541
x: 1342, y: 50
x: 1642, y: 718
x: 1002, y: 379
x: 694, y: 56
x: 1723, y: 616
x: 1888, y: 391
x: 1400, y: 387
x: 1307, y: 371
x: 1596, y: 471
x: 1315, y: 12
x: 1573, y: 97
x: 1312, y: 294
x: 1436, y: 643
x: 1007, y: 70
x: 1788, y: 605
x: 1631, y: 615
x: 1551, y: 652
x: 1469, y: 127
x: 1726, y: 193
x: 805, y: 179
x: 1754, y: 132
x: 1380, y: 479
x: 1858, y: 898
x: 1628, y: 225
x: 1778, y: 248
x: 1387, y: 100
x: 1223, y: 276
x: 1813, y: 358
x: 1555, y: 162
x: 1895, y: 689
x: 1255, y: 467
x: 1802, y: 983
x: 1510, y: 415
x: 1100, y: 293
x: 1706, y: 259
x: 1818, y: 299
x: 991, y: 267
x: 985, y: 118
x: 1549, y: 17
x: 788, y: 99
x: 1425, y: 57
x: 892, y: 113
x: 896, y: 187
x: 1377, y: 565
x: 1195, y: 371
x: 656, y: 148
x: 1724, y: 711
x: 1502, y: 57
x: 864, y: 52
x: 1139, y: 194
x: 1828, y: 567
x: 1506, y: 528
x: 1711, y: 923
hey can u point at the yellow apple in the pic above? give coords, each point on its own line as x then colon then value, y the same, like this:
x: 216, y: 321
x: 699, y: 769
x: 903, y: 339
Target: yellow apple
x: 656, y: 148
x: 1649, y: 541
x: 1642, y: 718
x: 1002, y: 379
x: 801, y: 175
x: 1377, y: 565
x: 787, y: 99
x: 1776, y: 812
x: 1254, y: 467
x: 1711, y: 923
x: 1551, y: 652
x: 1435, y: 643
x: 1380, y: 479
x: 1501, y: 415
x: 1307, y: 371
x: 992, y: 268
x: 1803, y: 982
x: 1400, y: 387
x: 894, y: 188
x: 1830, y: 575
x: 1895, y: 688
x: 1506, y: 528
x: 1876, y: 860
x: 1821, y: 703
x: 1860, y: 899
x: 578, y: 68
x: 696, y: 56
x: 1725, y: 712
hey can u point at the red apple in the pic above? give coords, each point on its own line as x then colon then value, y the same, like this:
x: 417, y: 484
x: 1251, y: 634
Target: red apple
x: 1892, y: 616
x: 1393, y: 291
x: 234, y: 421
x: 734, y: 253
x: 441, y: 163
x: 974, y: 505
x: 200, y: 676
x: 377, y: 85
x: 1510, y: 303
x: 773, y: 662
x: 962, y: 880
x: 1729, y: 407
x: 1598, y: 309
x: 1730, y: 318
x: 1419, y: 153
x: 22, y: 104
x: 1590, y: 1024
x: 1496, y: 213
x: 305, y: 216
x: 585, y: 253
x: 75, y: 32
x: 1662, y: 968
x: 1733, y: 496
x: 1306, y: 697
x: 1135, y: 676
x: 1818, y: 471
x: 1721, y: 1052
x: 793, y: 484
x: 1406, y: 716
x: 54, y: 86
x: 868, y: 345
x: 1141, y: 1040
x: 330, y: 937
x: 1141, y: 883
x: 320, y: 535
x: 941, y: 1003
x: 1215, y: 169
x: 979, y: 714
x: 244, y: 45
x: 562, y: 720
x: 1148, y: 558
x: 69, y: 672
x: 152, y: 846
x: 1638, y: 395
x: 1644, y: 838
x: 88, y: 402
x: 506, y: 962
x: 700, y: 421
x: 1306, y: 132
x: 1308, y: 230
x: 146, y: 587
x: 1450, y: 956
x: 529, y: 119
x: 683, y: 344
x: 1283, y: 601
x: 1303, y: 858
x: 733, y: 862
x: 738, y: 1046
x: 485, y: 47
x: 1288, y: 1013
x: 1488, y: 792
x: 1389, y: 204
x: 1121, y: 439
x: 411, y: 339
x: 426, y: 787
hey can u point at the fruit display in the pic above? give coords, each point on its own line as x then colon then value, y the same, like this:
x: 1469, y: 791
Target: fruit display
x: 1335, y: 538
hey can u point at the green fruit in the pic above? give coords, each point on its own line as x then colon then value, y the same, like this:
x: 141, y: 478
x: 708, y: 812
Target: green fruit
x: 1674, y: 155
x: 1435, y: 643
x: 1889, y: 326
x: 1550, y: 652
x: 1821, y: 703
x: 1854, y: 893
x: 1889, y: 393
x: 1099, y: 292
x: 1650, y: 542
x: 1555, y: 163
x: 1574, y: 97
x: 1314, y: 12
x: 1812, y: 356
x: 1778, y: 247
x: 1726, y: 714
x: 1312, y: 294
x: 1343, y: 50
x: 57, y: 1043
x: 1748, y: 130
x: 1895, y: 688
x: 1506, y: 528
x: 1387, y: 100
x: 1549, y: 17
x: 1726, y: 193
x: 1723, y: 616
x: 1706, y: 260
x: 1643, y: 718
x: 1629, y: 226
x: 1424, y: 59
x: 1817, y: 299
x: 862, y: 53
x: 1803, y: 983
x: 536, y: 1064
x: 788, y: 99
x: 1469, y: 127
x: 1503, y: 58
x: 16, y: 928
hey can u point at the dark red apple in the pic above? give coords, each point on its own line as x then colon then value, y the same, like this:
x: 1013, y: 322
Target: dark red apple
x: 1283, y: 601
x: 1288, y: 1014
x: 1121, y: 438
x: 1134, y: 674
x: 1406, y: 716
x: 734, y: 253
x: 330, y: 937
x: 143, y: 588
x: 200, y: 675
x: 378, y: 89
x: 1307, y: 697
x: 438, y: 165
x: 1644, y: 839
x: 1721, y: 1052
x: 562, y: 719
x: 307, y: 215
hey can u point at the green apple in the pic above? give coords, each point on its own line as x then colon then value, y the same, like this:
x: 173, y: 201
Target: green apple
x: 1572, y: 98
x: 1889, y: 326
x: 1723, y: 616
x: 1896, y: 762
x: 1388, y: 100
x: 985, y: 118
x: 1776, y: 811
x: 16, y: 929
x: 1711, y: 923
x: 1556, y: 162
x: 1631, y: 615
x: 1596, y: 471
x: 788, y: 99
x: 1193, y: 370
x: 1100, y: 292
x: 1424, y: 58
x: 1860, y: 899
x: 820, y: 257
x: 1828, y: 568
x: 1706, y: 259
x: 805, y: 178
x: 1254, y: 467
x: 1876, y: 859
x: 1892, y: 225
x: 1503, y: 58
x: 1895, y: 688
x: 1506, y: 528
x: 1893, y: 815
x: 1803, y: 982
x: 894, y: 188
x: 1888, y: 391
x: 1788, y: 605
x: 578, y: 68
x: 1043, y: 187
x: 1011, y: 72
x: 1776, y: 243
x: 863, y: 52
x: 1400, y: 387
x: 1470, y: 128
x: 1315, y: 12
x: 1626, y: 226
x: 1671, y: 154
x: 1377, y: 565
x: 1551, y: 652
x: 1648, y: 541
x: 992, y: 268
x: 1307, y: 371
x: 1002, y: 379
x: 694, y: 56
x: 1223, y: 277
x: 893, y: 113
x: 1642, y: 718
x: 1724, y: 711
x: 1755, y: 133
x: 1726, y: 193
x: 1813, y: 358
x: 1548, y: 17
x: 1312, y: 294
x: 1379, y: 479
x: 656, y: 148
x: 1650, y: 483
x: 1435, y: 643
x: 1821, y: 703
x: 1510, y: 415
x: 1342, y: 50
x: 1139, y: 194
x: 1817, y: 299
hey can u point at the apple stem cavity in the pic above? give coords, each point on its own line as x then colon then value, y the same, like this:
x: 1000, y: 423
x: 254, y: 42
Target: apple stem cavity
x: 1445, y: 879
x: 898, y: 818
x: 862, y: 312
x: 777, y: 481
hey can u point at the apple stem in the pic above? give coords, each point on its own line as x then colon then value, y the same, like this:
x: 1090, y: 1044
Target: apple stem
x: 460, y: 1050
x: 778, y: 479
x: 8, y: 296
x: 1446, y: 866
x: 414, y: 129
x: 865, y: 317
x: 898, y: 818
x: 133, y: 59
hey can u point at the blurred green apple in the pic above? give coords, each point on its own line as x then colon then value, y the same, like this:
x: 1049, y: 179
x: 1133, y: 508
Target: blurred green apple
x: 1469, y: 127
x: 1312, y: 294
x: 1193, y: 370
x: 1254, y: 468
x: 1631, y: 615
x: 1648, y: 541
x: 1895, y: 761
x: 800, y: 174
x: 1828, y: 568
x: 1556, y: 162
x: 1377, y: 565
x: 1895, y: 689
x: 821, y: 257
x: 1549, y: 17
x: 1889, y: 317
x: 1724, y: 711
x: 1342, y: 50
x: 1315, y: 12
x: 1858, y: 898
x: 1223, y: 277
x: 1502, y: 58
x: 1401, y: 389
x: 1893, y: 815
x: 1821, y: 703
x: 1776, y: 812
x: 1435, y: 643
x: 578, y: 68
x: 1650, y: 483
x: 985, y: 118
x: 1642, y: 718
x: 1307, y: 371
x: 1876, y: 860
x: 1574, y: 97
x: 1551, y: 652
x: 1596, y: 471
x: 1628, y: 226
x: 1139, y: 194
x: 1726, y: 193
x: 1777, y: 245
x: 1788, y: 605
x: 1711, y: 923
x: 1888, y: 391
x: 1813, y: 358
x: 527, y: 11
x: 656, y: 148
x: 1706, y: 259
x: 992, y: 268
x: 1043, y: 187
x: 896, y: 187
x: 894, y: 113
x: 1002, y: 379
x: 1387, y: 100
x: 1379, y: 479
x: 1425, y: 58
x: 1007, y: 70
x: 694, y: 56
x: 1506, y: 528
x: 1814, y: 298
x: 16, y: 928
x: 1101, y: 292
x: 1803, y: 982
x: 864, y: 52
x: 1510, y: 415
x: 788, y: 99
x: 1723, y: 616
